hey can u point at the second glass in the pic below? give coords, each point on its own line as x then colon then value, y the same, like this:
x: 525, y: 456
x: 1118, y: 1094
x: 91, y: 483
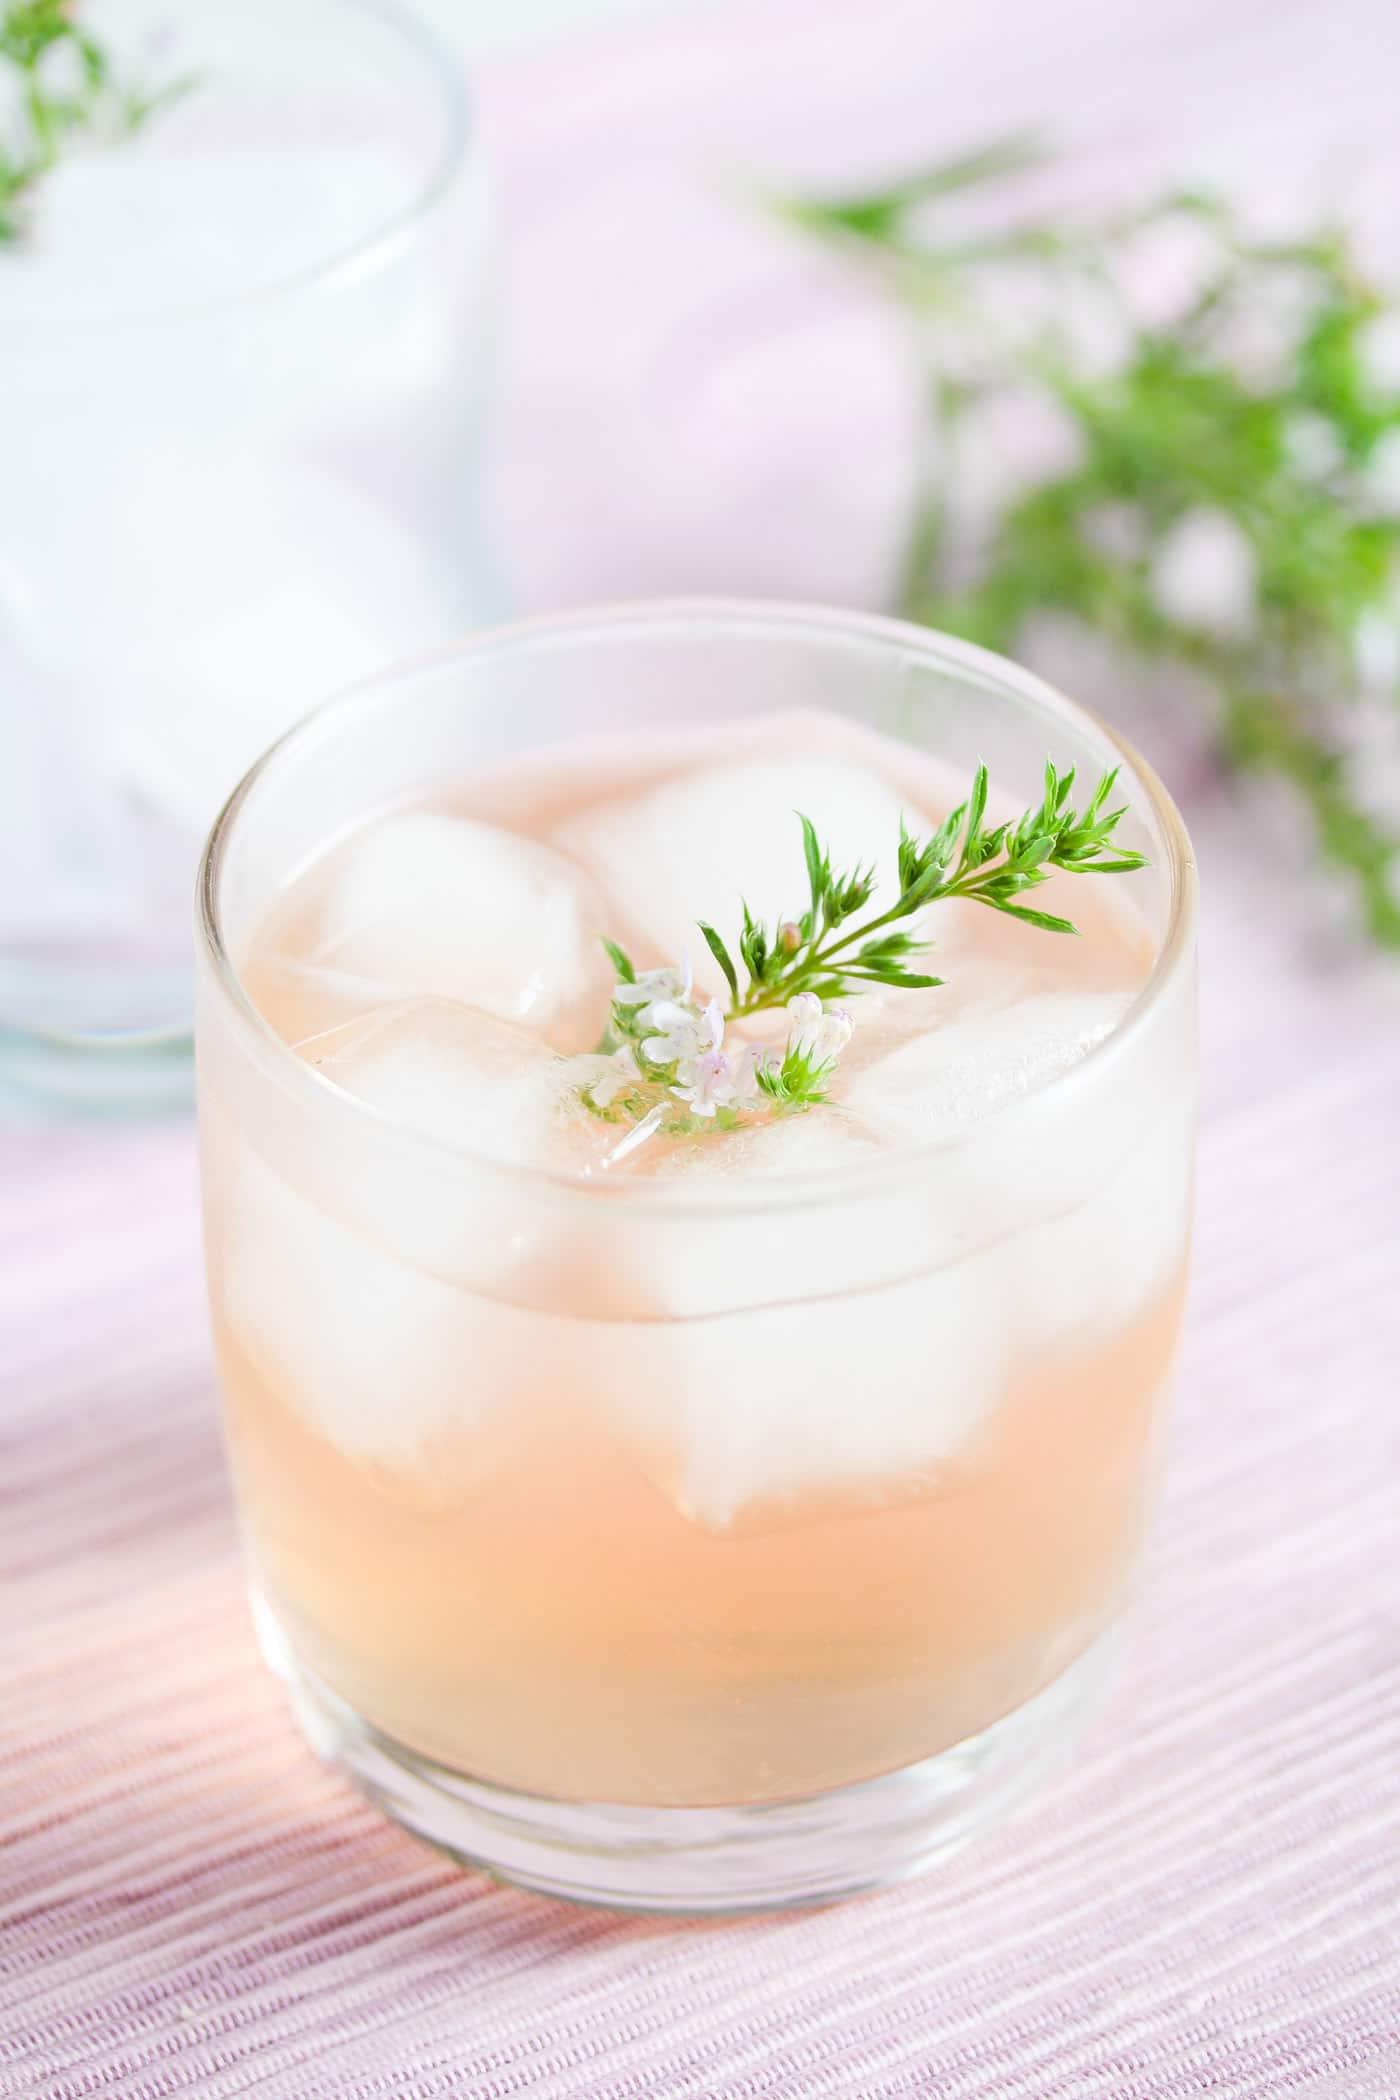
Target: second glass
x: 241, y: 376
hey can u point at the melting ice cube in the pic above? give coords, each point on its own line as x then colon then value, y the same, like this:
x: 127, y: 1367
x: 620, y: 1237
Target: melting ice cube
x: 1084, y: 1198
x: 693, y: 847
x: 380, y: 1358
x: 807, y: 1345
x: 225, y: 588
x: 451, y: 1072
x: 371, y: 1282
x: 492, y: 1099
x: 937, y: 1084
x: 426, y: 904
x: 849, y: 1394
x: 392, y: 1366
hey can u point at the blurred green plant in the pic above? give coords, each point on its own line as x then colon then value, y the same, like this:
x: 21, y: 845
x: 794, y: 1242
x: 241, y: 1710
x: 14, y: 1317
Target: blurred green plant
x: 1245, y: 432
x: 57, y: 86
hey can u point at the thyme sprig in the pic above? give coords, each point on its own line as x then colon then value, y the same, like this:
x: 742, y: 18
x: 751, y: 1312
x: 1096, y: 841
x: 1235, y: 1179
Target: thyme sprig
x: 997, y: 865
x: 667, y: 1064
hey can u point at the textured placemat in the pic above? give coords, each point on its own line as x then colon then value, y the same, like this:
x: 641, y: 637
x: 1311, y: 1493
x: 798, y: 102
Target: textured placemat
x: 1210, y: 1902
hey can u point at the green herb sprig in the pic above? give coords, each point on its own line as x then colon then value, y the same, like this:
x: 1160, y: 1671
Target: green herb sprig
x: 997, y: 865
x: 665, y: 1063
x: 1180, y: 422
x: 67, y: 91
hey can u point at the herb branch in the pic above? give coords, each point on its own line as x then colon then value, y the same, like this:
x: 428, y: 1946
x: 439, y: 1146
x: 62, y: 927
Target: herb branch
x: 65, y: 90
x: 666, y: 1064
x: 997, y: 865
x: 1256, y: 420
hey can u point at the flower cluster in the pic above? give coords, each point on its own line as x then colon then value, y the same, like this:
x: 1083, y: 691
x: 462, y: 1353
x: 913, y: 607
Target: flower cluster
x: 816, y: 1038
x: 666, y: 1064
x: 673, y: 1068
x: 669, y: 1039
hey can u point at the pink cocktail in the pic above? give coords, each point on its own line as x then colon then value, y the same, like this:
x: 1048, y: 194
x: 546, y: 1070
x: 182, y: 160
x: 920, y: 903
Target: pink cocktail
x: 738, y: 1510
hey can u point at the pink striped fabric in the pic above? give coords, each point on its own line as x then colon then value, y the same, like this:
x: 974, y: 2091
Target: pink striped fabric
x: 1210, y: 1902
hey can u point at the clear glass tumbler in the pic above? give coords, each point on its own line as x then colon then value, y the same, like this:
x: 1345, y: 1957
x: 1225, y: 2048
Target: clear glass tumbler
x: 241, y: 376
x: 453, y: 1405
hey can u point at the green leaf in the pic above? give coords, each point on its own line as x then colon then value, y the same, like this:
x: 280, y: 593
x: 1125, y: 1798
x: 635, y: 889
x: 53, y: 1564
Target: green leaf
x: 977, y: 807
x: 753, y: 946
x: 1043, y: 919
x: 875, y: 214
x: 721, y: 955
x: 908, y: 858
x: 890, y: 973
x: 818, y: 873
x: 621, y: 963
x: 1100, y: 796
x: 1124, y: 864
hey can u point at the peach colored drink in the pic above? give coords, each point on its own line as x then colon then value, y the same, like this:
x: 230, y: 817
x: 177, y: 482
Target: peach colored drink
x: 578, y: 1597
x: 731, y: 1468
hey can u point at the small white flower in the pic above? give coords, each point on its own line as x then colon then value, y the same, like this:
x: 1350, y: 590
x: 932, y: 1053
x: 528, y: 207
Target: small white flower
x: 656, y: 987
x: 709, y: 1085
x: 1204, y: 574
x: 712, y: 1026
x: 804, y: 1012
x: 1313, y: 448
x: 1376, y: 648
x: 1382, y: 473
x: 836, y: 1031
x: 817, y: 1036
x: 1380, y: 353
x: 683, y: 1034
x: 619, y: 1071
x: 745, y: 1069
x: 677, y: 1033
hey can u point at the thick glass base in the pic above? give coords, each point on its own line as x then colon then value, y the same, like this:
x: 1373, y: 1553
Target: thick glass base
x: 766, y: 1856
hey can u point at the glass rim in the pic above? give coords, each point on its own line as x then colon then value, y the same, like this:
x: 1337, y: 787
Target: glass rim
x: 687, y: 1195
x: 362, y: 256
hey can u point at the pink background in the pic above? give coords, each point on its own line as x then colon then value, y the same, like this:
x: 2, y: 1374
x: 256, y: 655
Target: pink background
x: 1210, y: 1902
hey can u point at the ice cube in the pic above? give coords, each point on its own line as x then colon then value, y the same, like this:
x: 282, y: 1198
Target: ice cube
x: 1082, y: 1196
x: 692, y: 847
x: 858, y: 1394
x: 373, y: 1354
x: 937, y: 1085
x: 393, y: 1366
x: 372, y: 1278
x: 425, y: 904
x: 719, y: 1253
x: 807, y: 1345
x: 225, y: 589
x: 715, y: 1165
x: 454, y: 1073
x: 1099, y: 1264
x: 492, y: 1098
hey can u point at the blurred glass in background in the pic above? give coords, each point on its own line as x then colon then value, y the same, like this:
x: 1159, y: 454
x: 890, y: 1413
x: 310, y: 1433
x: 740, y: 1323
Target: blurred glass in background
x: 241, y: 374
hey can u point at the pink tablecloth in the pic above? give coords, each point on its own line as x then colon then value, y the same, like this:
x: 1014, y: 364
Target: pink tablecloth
x: 1210, y: 1903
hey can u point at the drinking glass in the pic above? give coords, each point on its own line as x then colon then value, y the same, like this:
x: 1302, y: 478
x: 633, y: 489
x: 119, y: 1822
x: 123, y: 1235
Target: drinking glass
x: 491, y: 1425
x: 240, y: 392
